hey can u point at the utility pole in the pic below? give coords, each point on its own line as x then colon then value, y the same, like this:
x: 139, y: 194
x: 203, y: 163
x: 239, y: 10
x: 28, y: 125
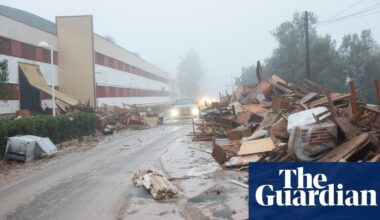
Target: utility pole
x: 307, y: 45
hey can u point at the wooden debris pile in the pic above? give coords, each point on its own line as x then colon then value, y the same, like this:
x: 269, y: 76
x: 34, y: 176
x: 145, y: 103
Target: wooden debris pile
x: 155, y: 183
x: 113, y: 118
x: 282, y: 121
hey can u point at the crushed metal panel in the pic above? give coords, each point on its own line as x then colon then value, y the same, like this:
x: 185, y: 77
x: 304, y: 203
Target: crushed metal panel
x: 47, y: 146
x: 29, y: 147
x: 309, y: 143
x: 20, y: 149
x: 36, y: 79
x: 304, y: 118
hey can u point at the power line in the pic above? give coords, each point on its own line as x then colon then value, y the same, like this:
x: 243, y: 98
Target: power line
x: 352, y: 17
x: 344, y: 10
x: 371, y: 8
x: 363, y: 12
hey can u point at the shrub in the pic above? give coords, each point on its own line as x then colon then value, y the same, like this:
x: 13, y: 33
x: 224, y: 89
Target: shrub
x: 58, y: 129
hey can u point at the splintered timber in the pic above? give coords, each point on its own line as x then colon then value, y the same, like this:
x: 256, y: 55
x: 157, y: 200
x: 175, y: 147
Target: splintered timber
x: 312, y: 190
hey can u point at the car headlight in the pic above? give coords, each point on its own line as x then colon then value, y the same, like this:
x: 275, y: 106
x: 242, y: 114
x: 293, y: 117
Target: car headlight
x: 195, y: 111
x: 174, y: 112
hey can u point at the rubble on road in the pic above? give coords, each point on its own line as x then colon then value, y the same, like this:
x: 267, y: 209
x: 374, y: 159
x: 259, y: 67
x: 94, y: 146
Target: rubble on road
x: 282, y: 121
x: 113, y: 118
x: 156, y: 183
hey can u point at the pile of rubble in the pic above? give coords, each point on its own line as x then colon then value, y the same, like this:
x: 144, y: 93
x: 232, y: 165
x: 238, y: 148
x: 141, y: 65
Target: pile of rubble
x: 112, y: 118
x: 282, y: 121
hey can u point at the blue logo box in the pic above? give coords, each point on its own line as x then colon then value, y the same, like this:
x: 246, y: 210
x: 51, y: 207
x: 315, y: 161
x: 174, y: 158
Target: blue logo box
x: 311, y: 191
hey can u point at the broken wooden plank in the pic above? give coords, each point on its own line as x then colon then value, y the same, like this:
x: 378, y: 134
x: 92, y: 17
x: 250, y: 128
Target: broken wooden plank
x: 155, y: 183
x: 239, y: 183
x: 243, y: 117
x: 308, y: 97
x: 334, y: 96
x: 345, y: 149
x: 280, y: 103
x: 254, y: 108
x: 354, y: 105
x: 219, y: 154
x: 256, y: 146
x: 377, y: 87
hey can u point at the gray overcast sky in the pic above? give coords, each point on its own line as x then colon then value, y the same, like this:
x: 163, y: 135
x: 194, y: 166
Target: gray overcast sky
x: 226, y: 34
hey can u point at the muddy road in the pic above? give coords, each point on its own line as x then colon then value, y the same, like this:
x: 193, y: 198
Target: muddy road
x: 96, y: 183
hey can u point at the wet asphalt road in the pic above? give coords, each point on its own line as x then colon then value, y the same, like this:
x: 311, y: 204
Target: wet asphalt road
x: 89, y: 185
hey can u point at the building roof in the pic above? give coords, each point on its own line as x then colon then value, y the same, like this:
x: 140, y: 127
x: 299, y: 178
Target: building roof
x: 48, y: 26
x: 28, y: 18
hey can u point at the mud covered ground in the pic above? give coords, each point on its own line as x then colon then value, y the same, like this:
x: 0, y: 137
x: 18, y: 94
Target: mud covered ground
x: 92, y: 179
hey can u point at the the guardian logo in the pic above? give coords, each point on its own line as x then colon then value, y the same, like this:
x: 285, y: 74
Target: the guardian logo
x: 306, y: 189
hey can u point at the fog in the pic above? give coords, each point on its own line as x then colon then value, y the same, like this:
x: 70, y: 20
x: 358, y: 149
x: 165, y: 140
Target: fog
x: 226, y: 34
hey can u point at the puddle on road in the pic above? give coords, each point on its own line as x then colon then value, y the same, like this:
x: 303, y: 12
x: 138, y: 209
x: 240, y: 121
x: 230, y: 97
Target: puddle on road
x: 203, y: 169
x: 215, y: 194
x: 224, y: 213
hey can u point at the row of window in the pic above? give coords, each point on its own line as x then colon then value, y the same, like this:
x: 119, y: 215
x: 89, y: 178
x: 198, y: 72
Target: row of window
x: 14, y: 92
x: 31, y: 52
x: 26, y: 51
x: 119, y: 65
x: 105, y: 91
x: 101, y: 91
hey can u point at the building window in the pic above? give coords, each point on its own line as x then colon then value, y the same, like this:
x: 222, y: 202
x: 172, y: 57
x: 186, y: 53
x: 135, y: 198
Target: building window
x: 45, y: 56
x: 99, y: 59
x: 119, y: 65
x: 111, y: 62
x: 28, y: 51
x: 5, y: 46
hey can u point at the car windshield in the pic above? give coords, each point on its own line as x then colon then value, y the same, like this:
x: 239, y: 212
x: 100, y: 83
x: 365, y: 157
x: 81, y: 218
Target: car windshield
x: 187, y: 101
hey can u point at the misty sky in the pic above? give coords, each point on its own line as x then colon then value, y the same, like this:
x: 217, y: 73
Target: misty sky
x: 226, y: 34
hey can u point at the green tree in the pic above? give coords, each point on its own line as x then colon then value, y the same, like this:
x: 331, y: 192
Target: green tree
x: 360, y: 58
x: 357, y: 58
x: 4, y: 86
x: 189, y: 74
x: 247, y: 77
x: 288, y: 59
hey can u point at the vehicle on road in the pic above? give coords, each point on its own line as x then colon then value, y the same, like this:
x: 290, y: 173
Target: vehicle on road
x: 184, y: 107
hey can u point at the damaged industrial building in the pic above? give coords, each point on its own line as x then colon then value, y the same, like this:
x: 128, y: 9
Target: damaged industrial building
x: 87, y: 68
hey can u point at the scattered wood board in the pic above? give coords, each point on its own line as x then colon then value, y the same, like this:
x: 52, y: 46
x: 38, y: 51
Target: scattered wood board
x: 346, y: 149
x: 254, y: 108
x: 256, y: 146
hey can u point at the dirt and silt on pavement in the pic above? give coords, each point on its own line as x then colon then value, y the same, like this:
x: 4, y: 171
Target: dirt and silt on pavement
x: 92, y: 179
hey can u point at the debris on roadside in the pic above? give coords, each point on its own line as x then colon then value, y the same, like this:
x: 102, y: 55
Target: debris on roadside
x: 28, y: 147
x: 282, y: 121
x: 156, y: 183
x: 113, y: 118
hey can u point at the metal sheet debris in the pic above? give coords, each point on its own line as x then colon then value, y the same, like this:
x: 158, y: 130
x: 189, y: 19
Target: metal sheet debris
x: 29, y: 147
